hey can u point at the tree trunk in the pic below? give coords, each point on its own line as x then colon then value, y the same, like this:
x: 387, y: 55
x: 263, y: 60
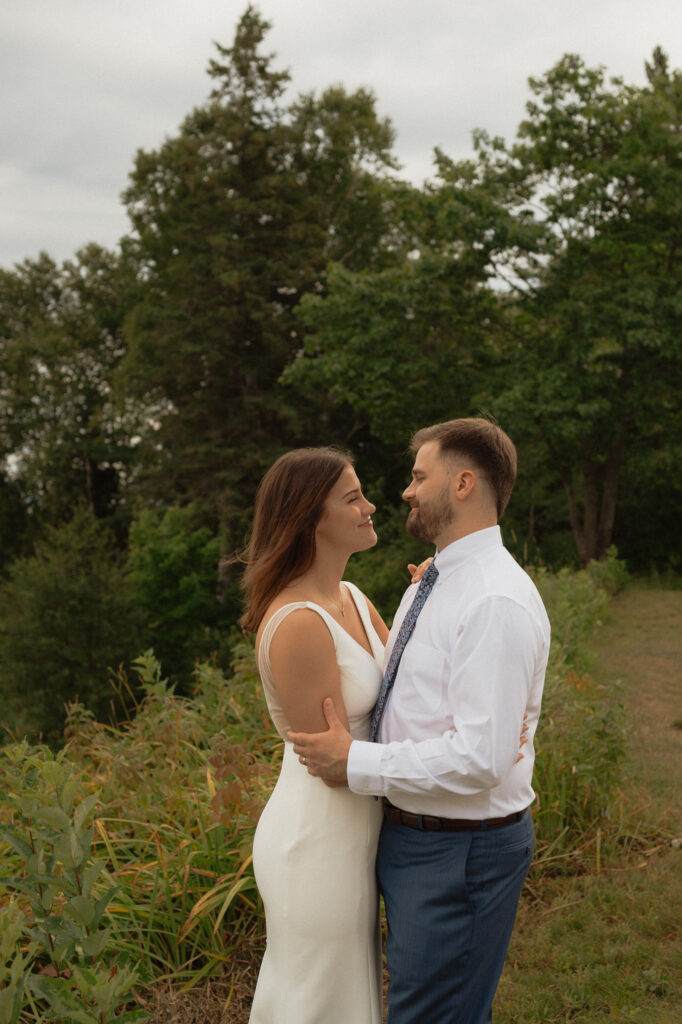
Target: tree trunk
x: 590, y: 512
x: 610, y: 493
x: 576, y: 525
x: 593, y: 529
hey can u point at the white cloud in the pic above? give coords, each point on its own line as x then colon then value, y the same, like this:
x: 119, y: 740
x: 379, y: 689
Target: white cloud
x: 85, y: 83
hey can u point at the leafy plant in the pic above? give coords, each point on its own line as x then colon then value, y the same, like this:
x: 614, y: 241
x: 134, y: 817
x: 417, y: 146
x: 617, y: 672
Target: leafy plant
x: 581, y: 735
x: 68, y: 970
x: 172, y: 560
x: 182, y: 785
x: 15, y: 961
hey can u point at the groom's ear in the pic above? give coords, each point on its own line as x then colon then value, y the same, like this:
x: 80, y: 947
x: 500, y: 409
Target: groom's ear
x: 463, y: 484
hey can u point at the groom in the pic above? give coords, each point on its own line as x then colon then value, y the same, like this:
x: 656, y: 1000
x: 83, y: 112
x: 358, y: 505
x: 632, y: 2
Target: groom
x: 466, y: 660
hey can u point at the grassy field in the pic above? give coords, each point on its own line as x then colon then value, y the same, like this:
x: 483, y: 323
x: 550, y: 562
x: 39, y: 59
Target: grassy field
x: 599, y: 942
x: 126, y: 887
x: 605, y: 944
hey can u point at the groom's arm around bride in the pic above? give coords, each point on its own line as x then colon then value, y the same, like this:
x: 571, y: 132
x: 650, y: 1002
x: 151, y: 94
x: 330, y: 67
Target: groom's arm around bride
x: 465, y: 662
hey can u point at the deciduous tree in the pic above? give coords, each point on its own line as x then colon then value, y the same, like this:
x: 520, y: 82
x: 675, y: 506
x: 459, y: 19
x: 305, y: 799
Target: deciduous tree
x: 594, y: 185
x: 63, y: 437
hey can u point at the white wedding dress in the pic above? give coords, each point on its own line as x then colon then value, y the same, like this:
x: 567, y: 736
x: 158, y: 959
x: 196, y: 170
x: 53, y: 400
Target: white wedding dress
x: 313, y: 857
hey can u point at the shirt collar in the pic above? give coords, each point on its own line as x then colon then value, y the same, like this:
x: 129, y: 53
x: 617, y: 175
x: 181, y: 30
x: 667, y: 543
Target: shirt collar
x: 467, y: 547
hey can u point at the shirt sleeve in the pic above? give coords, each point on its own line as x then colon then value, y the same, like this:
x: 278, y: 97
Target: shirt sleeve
x: 494, y: 657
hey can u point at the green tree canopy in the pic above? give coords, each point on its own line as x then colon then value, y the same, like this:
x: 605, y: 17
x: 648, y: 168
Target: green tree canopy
x: 543, y: 284
x: 173, y: 566
x: 66, y: 618
x: 63, y: 437
x: 235, y: 219
x: 594, y: 183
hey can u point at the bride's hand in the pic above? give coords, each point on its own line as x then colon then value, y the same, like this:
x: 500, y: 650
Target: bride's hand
x: 524, y: 739
x: 418, y: 571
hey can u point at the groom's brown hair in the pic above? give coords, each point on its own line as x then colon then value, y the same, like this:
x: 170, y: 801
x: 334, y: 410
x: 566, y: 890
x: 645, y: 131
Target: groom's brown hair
x: 487, y: 446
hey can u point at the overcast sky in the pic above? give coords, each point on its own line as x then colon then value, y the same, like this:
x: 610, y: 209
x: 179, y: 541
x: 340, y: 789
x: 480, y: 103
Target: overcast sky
x: 85, y: 83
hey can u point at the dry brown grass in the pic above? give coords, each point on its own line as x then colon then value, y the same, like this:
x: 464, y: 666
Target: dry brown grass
x: 220, y: 1001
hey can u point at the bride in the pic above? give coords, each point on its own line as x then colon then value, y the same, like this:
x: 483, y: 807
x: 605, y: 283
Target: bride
x: 315, y: 846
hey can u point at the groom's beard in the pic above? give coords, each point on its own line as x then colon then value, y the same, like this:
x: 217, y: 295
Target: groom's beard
x: 430, y: 518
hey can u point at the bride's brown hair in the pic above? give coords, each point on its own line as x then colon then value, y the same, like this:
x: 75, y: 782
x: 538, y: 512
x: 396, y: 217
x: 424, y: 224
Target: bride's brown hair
x: 287, y: 509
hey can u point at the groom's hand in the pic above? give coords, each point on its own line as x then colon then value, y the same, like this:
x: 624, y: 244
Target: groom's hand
x: 325, y: 754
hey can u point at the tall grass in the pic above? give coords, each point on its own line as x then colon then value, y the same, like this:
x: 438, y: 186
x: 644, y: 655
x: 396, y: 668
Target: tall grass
x: 581, y: 736
x: 158, y: 813
x: 172, y: 799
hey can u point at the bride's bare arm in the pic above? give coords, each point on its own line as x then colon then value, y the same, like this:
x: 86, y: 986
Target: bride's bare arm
x: 305, y: 671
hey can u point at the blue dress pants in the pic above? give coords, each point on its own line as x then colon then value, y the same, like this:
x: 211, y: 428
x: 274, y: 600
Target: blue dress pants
x: 451, y: 900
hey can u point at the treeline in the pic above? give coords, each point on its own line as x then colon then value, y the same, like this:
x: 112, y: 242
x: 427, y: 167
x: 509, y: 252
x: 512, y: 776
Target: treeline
x: 281, y: 285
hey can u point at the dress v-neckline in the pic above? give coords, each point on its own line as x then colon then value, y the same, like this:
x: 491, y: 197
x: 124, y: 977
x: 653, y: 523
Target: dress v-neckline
x: 364, y: 625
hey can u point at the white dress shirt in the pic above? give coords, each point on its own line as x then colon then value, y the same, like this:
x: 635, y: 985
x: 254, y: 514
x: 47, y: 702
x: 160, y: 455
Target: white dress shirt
x: 475, y: 663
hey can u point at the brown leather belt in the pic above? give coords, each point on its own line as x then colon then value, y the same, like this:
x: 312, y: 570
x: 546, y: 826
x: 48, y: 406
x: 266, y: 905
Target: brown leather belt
x: 430, y: 823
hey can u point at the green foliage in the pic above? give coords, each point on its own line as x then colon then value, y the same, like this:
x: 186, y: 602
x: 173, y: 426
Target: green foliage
x: 396, y: 346
x: 154, y: 818
x: 540, y: 282
x: 15, y: 523
x: 61, y: 431
x: 610, y: 573
x: 235, y: 218
x: 181, y: 786
x: 67, y: 969
x: 15, y: 961
x: 66, y: 618
x: 133, y: 845
x: 590, y: 245
x: 581, y: 736
x: 173, y: 562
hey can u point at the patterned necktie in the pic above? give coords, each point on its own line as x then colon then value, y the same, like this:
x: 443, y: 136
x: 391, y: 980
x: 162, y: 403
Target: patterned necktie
x: 404, y: 634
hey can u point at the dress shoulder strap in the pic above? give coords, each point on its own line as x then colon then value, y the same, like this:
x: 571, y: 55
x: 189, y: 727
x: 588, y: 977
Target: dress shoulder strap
x: 275, y: 621
x: 360, y: 602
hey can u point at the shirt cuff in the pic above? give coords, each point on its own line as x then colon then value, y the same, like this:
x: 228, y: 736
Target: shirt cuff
x: 364, y: 768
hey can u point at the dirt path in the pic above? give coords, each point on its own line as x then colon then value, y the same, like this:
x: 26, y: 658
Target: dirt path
x: 605, y: 946
x: 640, y: 648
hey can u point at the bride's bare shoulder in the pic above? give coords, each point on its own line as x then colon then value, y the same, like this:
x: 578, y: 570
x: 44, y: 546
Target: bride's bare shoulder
x: 303, y: 623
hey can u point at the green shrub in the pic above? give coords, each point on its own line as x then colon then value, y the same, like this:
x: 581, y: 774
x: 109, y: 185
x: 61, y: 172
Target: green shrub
x: 610, y: 573
x: 57, y: 957
x: 172, y: 561
x: 181, y: 788
x: 66, y: 617
x: 581, y: 736
x: 160, y: 811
